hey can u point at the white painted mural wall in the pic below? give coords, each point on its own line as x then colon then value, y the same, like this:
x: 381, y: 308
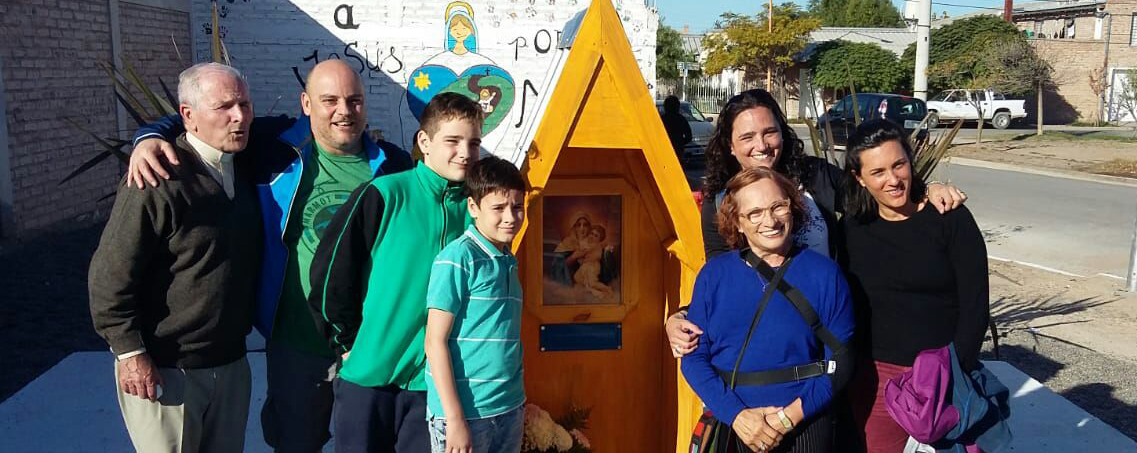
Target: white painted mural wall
x: 499, y: 52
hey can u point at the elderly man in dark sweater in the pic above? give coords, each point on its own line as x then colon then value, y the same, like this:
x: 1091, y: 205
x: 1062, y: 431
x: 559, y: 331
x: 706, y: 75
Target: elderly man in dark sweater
x: 173, y: 280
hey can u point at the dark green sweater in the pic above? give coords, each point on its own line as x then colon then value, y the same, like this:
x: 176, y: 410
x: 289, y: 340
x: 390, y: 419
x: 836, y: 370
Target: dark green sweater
x: 176, y: 268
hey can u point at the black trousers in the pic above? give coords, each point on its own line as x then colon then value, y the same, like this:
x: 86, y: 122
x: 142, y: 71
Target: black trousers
x: 812, y: 436
x: 815, y: 437
x: 379, y: 419
x: 297, y: 413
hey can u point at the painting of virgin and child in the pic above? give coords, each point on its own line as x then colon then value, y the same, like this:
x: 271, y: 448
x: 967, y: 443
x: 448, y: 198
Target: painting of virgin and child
x: 582, y: 250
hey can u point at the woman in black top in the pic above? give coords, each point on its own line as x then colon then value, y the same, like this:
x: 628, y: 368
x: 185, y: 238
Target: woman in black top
x: 919, y: 278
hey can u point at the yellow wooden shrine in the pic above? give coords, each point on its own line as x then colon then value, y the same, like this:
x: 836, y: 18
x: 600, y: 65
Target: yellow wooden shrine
x: 610, y: 246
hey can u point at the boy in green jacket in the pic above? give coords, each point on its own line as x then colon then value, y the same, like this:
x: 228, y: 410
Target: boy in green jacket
x: 369, y: 279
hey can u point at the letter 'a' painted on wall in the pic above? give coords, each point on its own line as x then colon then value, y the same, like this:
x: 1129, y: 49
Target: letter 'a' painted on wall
x: 501, y: 54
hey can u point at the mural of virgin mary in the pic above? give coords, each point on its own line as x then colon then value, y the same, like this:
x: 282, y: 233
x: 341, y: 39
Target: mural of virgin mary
x: 460, y: 69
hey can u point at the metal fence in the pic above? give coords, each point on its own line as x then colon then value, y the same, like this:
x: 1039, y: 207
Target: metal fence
x: 705, y: 94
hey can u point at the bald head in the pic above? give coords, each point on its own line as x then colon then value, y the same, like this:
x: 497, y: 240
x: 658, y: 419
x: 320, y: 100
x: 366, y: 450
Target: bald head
x: 331, y: 68
x: 333, y: 99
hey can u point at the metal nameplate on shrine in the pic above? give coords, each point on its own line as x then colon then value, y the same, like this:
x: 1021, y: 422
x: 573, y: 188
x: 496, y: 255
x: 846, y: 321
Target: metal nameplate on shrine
x: 581, y: 337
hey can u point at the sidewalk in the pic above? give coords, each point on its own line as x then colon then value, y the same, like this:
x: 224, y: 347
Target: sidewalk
x: 1083, y: 155
x: 72, y: 408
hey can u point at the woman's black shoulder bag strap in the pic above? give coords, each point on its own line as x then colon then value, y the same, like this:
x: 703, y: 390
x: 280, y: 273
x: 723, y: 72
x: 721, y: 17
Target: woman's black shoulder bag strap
x: 773, y: 279
x: 839, y: 376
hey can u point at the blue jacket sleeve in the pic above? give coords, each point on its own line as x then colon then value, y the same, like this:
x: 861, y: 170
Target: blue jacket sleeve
x: 838, y: 318
x: 170, y: 127
x: 696, y: 366
x: 167, y: 128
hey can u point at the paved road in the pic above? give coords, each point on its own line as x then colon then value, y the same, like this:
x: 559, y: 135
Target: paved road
x: 1080, y: 227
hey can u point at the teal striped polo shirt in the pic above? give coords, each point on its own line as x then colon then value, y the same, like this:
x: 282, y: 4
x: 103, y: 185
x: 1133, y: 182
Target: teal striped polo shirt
x: 479, y: 284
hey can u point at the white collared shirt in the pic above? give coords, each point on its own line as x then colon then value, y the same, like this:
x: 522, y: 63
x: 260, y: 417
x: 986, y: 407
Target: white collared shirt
x: 219, y: 164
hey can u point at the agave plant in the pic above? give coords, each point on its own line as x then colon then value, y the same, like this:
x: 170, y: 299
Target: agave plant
x: 148, y: 106
x: 929, y: 151
x: 823, y: 152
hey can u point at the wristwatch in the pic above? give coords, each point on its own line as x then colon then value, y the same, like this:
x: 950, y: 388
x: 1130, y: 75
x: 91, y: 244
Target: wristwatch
x: 786, y: 422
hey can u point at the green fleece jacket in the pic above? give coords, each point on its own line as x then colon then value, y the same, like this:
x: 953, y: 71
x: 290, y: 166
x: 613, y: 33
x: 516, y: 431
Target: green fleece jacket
x: 370, y: 273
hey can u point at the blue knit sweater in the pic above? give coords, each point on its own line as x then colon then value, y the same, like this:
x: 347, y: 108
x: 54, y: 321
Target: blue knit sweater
x: 727, y: 292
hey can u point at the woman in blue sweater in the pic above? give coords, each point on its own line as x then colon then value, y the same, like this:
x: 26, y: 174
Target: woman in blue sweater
x: 760, y: 214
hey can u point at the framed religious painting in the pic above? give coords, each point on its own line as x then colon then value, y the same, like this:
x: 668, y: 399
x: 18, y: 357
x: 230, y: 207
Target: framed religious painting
x: 583, y: 250
x: 583, y: 265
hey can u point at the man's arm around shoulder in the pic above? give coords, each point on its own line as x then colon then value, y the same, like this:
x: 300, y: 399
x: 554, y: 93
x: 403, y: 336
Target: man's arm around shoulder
x: 153, y: 150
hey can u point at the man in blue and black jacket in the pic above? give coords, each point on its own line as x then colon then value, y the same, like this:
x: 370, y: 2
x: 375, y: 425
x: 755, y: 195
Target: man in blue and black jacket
x: 306, y: 169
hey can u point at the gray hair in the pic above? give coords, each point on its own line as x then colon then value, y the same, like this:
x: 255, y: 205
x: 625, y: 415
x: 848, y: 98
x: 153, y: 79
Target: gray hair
x: 189, y: 81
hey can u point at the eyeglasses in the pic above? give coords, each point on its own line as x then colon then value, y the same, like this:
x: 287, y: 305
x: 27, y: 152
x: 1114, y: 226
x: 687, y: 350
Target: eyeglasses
x: 778, y: 210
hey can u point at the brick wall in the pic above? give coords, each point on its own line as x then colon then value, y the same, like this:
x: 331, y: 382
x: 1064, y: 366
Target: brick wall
x: 50, y: 51
x: 1072, y: 60
x: 148, y: 37
x: 275, y: 42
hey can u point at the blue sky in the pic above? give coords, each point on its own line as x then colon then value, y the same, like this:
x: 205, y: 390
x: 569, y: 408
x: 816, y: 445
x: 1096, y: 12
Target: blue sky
x: 700, y: 15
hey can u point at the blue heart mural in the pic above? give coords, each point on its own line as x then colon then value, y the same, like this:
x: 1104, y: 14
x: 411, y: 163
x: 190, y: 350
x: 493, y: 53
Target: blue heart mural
x: 490, y: 85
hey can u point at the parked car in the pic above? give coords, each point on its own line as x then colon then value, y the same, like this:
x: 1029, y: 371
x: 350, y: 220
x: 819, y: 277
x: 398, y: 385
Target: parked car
x: 960, y: 105
x: 905, y: 111
x: 701, y: 129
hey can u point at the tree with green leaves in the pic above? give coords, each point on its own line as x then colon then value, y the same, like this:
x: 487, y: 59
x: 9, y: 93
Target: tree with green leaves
x: 955, y: 57
x: 1016, y: 69
x: 669, y: 52
x: 856, y: 13
x: 745, y: 43
x: 868, y: 67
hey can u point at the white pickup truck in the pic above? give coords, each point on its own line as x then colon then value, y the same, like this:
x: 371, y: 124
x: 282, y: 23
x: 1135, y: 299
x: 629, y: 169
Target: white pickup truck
x: 960, y: 105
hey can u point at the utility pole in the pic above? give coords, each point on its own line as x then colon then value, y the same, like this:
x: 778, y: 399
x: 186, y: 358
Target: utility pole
x: 923, y: 35
x: 770, y: 28
x: 683, y: 91
x: 1007, y: 5
x: 1131, y: 279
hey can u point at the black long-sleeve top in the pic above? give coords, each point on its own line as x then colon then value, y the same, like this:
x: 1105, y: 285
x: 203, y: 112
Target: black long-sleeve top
x: 919, y: 284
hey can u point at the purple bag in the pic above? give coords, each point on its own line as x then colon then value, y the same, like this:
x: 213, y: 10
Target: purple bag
x: 918, y: 399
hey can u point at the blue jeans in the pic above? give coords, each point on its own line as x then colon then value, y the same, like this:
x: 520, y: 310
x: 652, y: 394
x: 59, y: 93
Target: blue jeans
x: 497, y: 434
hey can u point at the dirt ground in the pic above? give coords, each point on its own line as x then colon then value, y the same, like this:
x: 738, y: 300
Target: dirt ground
x: 1059, y: 152
x: 1095, y: 313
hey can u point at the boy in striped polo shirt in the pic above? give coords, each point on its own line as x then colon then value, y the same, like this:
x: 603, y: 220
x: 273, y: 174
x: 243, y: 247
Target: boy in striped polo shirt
x: 475, y: 390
